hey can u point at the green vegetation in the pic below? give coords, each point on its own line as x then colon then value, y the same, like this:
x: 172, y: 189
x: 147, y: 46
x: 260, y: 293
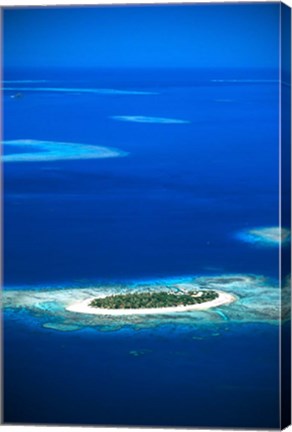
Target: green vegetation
x: 147, y: 300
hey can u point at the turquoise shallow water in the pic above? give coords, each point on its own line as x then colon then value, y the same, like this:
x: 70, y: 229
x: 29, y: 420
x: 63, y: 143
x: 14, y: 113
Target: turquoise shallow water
x: 256, y: 300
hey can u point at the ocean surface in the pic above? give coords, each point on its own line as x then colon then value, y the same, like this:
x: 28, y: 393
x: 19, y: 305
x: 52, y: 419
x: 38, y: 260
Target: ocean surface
x: 194, y: 162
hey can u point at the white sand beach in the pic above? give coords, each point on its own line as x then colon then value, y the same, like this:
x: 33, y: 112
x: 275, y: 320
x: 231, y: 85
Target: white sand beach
x: 85, y: 308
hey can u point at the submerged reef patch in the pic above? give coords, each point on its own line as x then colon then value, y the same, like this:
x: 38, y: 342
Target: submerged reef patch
x: 146, y: 119
x: 24, y: 81
x: 27, y: 150
x: 257, y: 300
x: 265, y: 236
x: 100, y: 91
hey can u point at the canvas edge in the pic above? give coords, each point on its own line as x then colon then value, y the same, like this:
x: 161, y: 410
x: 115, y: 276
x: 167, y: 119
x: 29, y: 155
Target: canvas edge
x: 285, y: 214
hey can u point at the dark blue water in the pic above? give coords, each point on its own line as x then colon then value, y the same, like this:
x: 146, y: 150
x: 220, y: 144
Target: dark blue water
x: 228, y: 379
x: 172, y: 207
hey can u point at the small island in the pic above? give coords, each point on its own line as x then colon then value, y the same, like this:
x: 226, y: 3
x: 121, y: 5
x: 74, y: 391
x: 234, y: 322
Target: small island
x: 150, y: 302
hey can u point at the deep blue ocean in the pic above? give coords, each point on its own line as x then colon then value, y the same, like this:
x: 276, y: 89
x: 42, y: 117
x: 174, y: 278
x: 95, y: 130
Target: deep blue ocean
x: 171, y: 208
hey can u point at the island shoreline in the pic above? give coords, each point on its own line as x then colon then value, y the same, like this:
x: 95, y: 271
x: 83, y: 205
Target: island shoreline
x: 84, y: 307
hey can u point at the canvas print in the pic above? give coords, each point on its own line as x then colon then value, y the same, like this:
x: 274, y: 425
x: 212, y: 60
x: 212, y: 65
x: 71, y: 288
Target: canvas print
x: 146, y: 215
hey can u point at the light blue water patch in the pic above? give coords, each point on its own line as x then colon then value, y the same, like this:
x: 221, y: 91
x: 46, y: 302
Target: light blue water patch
x: 24, y: 81
x: 18, y: 149
x: 146, y: 119
x: 247, y: 81
x: 101, y: 91
x: 224, y: 100
x: 37, y: 151
x: 265, y: 236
